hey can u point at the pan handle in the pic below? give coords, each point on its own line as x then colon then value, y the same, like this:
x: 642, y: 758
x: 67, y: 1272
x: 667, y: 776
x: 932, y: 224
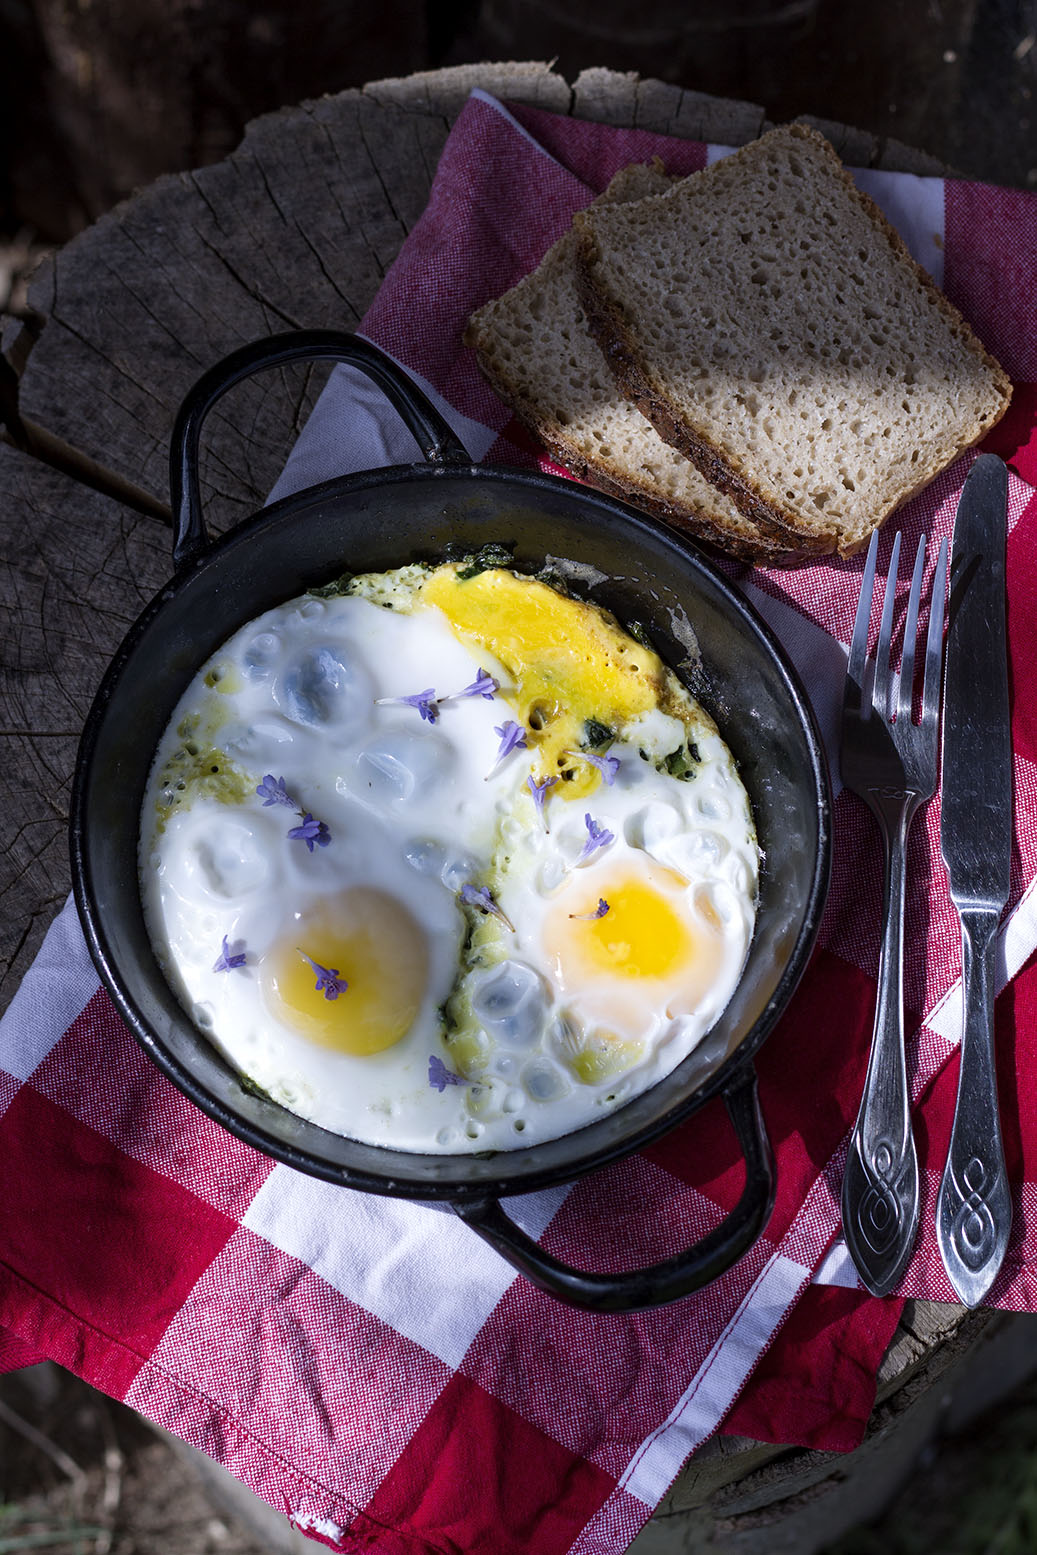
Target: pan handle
x: 432, y: 433
x: 635, y: 1290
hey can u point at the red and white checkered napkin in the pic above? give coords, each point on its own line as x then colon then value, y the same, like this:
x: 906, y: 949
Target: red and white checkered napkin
x: 371, y: 1366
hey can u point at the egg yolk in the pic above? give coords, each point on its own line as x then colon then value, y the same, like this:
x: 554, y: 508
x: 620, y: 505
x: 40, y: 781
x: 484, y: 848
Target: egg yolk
x: 639, y: 936
x: 652, y: 952
x: 365, y: 940
x: 570, y: 661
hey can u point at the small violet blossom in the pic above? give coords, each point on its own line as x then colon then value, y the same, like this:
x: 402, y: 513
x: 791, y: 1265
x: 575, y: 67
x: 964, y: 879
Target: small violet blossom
x: 608, y: 766
x: 598, y: 837
x: 599, y: 912
x: 440, y: 1076
x: 538, y: 790
x: 328, y: 981
x: 485, y: 687
x: 227, y: 962
x: 313, y: 833
x: 479, y: 896
x: 428, y: 704
x: 424, y: 701
x: 512, y: 738
x: 272, y: 791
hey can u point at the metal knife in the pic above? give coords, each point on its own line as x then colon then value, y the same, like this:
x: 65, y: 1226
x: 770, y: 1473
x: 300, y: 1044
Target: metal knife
x: 974, y: 1211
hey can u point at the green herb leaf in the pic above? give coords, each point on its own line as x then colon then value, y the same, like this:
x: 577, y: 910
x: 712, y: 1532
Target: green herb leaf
x: 678, y: 764
x: 252, y: 1089
x: 340, y: 585
x: 596, y: 734
x: 485, y: 558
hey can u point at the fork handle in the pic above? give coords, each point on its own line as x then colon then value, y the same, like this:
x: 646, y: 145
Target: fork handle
x: 974, y: 1207
x: 880, y: 1192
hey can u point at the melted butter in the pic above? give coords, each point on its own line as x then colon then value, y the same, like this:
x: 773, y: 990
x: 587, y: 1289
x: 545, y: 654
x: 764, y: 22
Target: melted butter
x: 468, y: 1045
x: 468, y: 1049
x: 224, y: 677
x: 569, y: 662
x: 601, y: 1057
x: 197, y: 768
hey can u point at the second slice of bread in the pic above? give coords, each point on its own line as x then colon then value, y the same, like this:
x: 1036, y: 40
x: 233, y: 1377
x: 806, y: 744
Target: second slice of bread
x: 534, y: 346
x: 774, y: 329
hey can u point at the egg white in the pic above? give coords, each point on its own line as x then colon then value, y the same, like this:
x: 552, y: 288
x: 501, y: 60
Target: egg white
x: 605, y: 1035
x: 521, y: 1049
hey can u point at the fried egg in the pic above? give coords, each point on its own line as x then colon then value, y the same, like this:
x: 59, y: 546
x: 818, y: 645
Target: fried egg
x: 443, y: 859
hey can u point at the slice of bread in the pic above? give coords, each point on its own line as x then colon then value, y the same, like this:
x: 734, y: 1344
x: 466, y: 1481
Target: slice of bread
x: 773, y: 327
x: 534, y: 347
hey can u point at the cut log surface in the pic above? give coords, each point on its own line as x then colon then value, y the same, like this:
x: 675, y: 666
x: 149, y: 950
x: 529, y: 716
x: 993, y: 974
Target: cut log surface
x: 76, y: 569
x: 295, y: 229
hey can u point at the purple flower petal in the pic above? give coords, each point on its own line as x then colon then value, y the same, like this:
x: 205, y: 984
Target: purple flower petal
x: 313, y: 833
x: 440, y: 1076
x: 598, y: 837
x: 273, y: 791
x: 328, y: 981
x: 512, y: 737
x: 485, y: 687
x: 479, y: 896
x: 599, y: 912
x: 424, y: 701
x: 538, y: 790
x: 608, y: 766
x: 226, y: 962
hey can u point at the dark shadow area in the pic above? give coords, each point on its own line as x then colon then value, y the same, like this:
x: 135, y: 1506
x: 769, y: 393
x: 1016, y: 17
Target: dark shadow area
x: 952, y: 77
x: 96, y: 100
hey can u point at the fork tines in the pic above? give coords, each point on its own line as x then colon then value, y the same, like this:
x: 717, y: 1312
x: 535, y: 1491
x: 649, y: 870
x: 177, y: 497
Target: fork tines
x: 858, y: 658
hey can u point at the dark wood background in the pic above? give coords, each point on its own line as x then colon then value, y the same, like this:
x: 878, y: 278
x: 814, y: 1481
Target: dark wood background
x: 98, y: 97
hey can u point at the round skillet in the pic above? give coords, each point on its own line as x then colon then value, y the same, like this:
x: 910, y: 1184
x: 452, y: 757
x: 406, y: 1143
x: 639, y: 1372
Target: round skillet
x: 639, y: 569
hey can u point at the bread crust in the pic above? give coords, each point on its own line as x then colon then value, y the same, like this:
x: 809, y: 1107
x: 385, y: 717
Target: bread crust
x: 717, y: 523
x: 615, y: 481
x: 721, y: 466
x: 756, y: 553
x: 606, y: 324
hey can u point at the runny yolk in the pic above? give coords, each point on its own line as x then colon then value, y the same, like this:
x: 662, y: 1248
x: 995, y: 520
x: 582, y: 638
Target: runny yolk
x: 654, y: 952
x: 641, y: 935
x: 645, y: 933
x: 371, y: 942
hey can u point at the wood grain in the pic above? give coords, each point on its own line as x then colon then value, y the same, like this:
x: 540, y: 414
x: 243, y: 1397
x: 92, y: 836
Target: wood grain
x: 76, y: 569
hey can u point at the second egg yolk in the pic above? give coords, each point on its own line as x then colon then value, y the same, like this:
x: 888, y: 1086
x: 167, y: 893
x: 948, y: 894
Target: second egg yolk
x: 373, y: 945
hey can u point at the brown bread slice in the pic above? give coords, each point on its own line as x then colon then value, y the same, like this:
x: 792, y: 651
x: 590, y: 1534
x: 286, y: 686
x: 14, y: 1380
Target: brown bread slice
x: 767, y: 319
x: 534, y: 347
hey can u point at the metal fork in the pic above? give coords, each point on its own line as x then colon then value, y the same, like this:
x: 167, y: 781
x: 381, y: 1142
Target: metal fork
x: 890, y: 762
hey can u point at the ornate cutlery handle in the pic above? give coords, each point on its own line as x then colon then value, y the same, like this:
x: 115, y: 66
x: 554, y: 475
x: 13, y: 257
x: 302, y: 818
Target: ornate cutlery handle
x: 974, y: 1208
x: 880, y: 1194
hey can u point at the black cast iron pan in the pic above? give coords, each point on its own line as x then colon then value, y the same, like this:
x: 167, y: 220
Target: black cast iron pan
x: 384, y: 518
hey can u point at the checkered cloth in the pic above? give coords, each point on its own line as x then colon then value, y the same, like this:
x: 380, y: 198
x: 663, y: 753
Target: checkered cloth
x: 370, y: 1366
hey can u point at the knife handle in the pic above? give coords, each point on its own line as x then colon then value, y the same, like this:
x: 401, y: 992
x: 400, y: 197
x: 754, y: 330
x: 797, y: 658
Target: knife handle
x: 880, y: 1192
x: 974, y: 1207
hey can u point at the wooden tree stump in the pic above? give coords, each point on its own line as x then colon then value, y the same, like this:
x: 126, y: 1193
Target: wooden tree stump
x: 296, y: 228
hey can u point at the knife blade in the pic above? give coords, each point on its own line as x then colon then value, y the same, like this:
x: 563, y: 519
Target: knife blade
x: 974, y: 1211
